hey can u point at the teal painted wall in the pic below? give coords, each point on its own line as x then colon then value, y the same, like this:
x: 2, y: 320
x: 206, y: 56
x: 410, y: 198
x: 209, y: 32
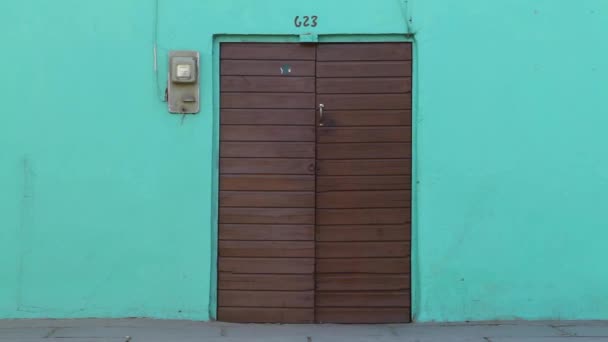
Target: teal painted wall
x: 107, y: 202
x: 513, y: 178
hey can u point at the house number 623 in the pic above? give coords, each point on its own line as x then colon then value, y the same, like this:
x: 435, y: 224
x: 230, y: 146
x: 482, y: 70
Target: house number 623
x: 305, y: 21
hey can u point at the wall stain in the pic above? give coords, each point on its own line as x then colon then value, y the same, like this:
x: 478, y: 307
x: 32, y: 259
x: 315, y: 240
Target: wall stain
x: 406, y: 14
x: 404, y: 4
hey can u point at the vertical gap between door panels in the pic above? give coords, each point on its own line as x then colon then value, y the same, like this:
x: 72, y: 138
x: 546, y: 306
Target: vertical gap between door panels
x: 315, y: 190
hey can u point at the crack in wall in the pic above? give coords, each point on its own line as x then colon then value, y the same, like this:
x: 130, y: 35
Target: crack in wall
x: 25, y: 224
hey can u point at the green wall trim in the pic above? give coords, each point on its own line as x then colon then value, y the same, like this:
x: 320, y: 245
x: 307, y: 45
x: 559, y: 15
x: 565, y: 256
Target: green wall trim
x: 218, y: 40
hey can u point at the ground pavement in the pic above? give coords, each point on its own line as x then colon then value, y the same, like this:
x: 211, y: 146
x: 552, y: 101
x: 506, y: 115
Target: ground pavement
x: 143, y: 330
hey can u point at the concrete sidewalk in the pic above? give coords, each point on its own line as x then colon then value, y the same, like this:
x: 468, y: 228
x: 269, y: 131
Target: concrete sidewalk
x: 143, y: 330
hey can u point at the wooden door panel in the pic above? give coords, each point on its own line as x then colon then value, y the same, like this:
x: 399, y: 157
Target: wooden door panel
x: 267, y: 183
x: 363, y: 169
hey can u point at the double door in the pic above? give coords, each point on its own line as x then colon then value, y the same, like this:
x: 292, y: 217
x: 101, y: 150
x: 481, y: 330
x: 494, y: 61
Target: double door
x: 315, y: 183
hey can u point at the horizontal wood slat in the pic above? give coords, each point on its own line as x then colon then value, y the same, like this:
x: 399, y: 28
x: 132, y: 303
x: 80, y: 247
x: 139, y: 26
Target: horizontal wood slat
x: 364, y: 52
x: 352, y: 101
x: 267, y: 68
x: 267, y: 166
x: 363, y: 282
x: 268, y: 282
x: 380, y: 85
x: 337, y: 183
x: 267, y: 150
x: 364, y: 199
x: 268, y: 215
x: 266, y: 299
x: 338, y: 151
x: 363, y: 216
x: 268, y: 182
x: 362, y: 167
x: 268, y: 51
x: 254, y: 199
x: 266, y: 315
x: 373, y: 117
x: 364, y: 233
x: 362, y: 315
x: 397, y: 299
x: 267, y: 133
x: 271, y: 100
x: 293, y: 117
x: 362, y: 249
x: 267, y: 232
x: 364, y: 69
x: 365, y: 135
x: 363, y: 265
x: 267, y: 265
x: 267, y: 249
x: 259, y: 84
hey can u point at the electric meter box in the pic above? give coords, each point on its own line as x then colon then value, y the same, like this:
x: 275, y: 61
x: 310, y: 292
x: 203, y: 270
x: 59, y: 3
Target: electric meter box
x: 183, y: 91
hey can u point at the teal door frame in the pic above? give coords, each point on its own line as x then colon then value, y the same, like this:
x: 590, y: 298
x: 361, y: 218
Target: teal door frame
x: 219, y: 39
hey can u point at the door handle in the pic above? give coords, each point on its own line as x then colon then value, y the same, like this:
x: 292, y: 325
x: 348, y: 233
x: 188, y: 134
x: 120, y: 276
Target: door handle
x: 321, y: 107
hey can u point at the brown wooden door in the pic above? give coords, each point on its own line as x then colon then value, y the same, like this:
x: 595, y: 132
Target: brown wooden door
x: 282, y: 175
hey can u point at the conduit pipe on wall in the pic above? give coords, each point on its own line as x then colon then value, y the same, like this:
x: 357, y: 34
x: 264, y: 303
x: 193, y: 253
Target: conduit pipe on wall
x: 160, y: 92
